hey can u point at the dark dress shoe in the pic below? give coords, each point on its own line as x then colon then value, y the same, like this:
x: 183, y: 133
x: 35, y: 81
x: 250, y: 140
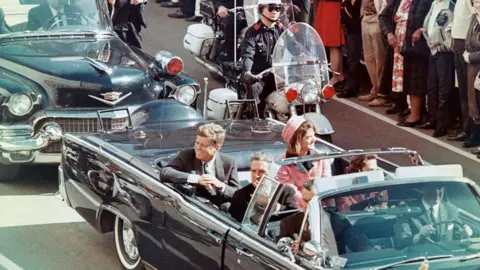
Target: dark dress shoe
x: 428, y: 125
x: 177, y: 14
x: 169, y: 4
x: 339, y: 85
x: 476, y: 151
x: 460, y: 137
x: 440, y: 132
x: 194, y: 19
x: 408, y: 124
x: 347, y: 94
x: 469, y: 144
x: 395, y: 109
x: 404, y: 113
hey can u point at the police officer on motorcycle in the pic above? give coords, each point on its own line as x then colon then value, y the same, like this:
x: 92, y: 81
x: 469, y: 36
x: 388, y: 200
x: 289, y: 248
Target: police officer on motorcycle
x: 227, y: 25
x: 257, y: 49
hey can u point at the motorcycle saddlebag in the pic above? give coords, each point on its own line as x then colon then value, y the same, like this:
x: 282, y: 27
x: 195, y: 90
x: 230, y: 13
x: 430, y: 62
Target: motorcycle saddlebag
x: 199, y: 39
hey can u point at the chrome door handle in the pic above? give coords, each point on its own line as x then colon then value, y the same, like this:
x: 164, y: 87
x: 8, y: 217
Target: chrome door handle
x: 218, y: 239
x: 241, y: 251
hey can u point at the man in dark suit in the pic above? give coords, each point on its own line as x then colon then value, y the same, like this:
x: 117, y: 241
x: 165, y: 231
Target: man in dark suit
x: 343, y: 231
x: 213, y: 173
x: 54, y: 12
x: 259, y: 165
x: 423, y: 229
x: 128, y: 19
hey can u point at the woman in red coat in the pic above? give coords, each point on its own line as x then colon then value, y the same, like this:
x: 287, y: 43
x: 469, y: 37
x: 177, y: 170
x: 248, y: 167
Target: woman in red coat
x: 328, y: 26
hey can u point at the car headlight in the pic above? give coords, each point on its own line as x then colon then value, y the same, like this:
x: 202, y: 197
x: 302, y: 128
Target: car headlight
x: 186, y: 94
x: 309, y: 93
x: 20, y: 104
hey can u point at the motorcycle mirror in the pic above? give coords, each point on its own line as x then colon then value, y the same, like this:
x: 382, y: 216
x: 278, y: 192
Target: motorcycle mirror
x: 310, y: 250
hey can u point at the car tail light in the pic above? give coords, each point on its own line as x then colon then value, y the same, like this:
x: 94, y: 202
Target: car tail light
x: 328, y: 92
x: 174, y: 66
x: 291, y: 94
x: 168, y: 62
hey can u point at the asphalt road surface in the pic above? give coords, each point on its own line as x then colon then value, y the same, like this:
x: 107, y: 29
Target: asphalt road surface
x: 38, y: 231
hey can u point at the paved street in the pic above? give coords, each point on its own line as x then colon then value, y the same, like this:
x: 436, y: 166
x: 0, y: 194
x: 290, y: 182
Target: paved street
x: 37, y: 231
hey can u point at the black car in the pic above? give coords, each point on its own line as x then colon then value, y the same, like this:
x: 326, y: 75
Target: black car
x: 57, y: 71
x: 112, y: 180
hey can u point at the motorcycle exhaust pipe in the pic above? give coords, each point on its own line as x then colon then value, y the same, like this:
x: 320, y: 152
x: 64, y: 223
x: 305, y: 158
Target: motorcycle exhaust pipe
x: 209, y: 66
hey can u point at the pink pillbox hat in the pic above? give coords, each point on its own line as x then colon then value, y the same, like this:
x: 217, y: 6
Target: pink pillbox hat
x: 292, y: 125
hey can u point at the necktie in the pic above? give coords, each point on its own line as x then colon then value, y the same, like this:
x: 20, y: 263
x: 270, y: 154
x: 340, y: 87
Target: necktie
x: 432, y: 216
x: 205, y: 168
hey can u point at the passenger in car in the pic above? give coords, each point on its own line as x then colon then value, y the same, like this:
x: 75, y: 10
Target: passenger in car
x: 362, y: 163
x: 436, y: 223
x: 54, y: 12
x: 4, y: 28
x: 343, y: 231
x: 259, y: 165
x: 213, y: 173
x: 300, y: 137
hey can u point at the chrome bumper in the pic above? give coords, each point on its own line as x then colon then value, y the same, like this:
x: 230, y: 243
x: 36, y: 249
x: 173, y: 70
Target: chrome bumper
x: 19, y: 144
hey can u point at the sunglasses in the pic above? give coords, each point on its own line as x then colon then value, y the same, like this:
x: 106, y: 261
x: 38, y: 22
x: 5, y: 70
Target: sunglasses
x: 273, y: 7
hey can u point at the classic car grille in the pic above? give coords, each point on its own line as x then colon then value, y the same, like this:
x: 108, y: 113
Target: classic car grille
x: 80, y: 125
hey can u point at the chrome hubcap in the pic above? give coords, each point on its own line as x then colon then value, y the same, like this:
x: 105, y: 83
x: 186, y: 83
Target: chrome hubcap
x: 129, y: 242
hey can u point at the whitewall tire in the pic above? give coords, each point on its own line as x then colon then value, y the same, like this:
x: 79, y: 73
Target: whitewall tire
x: 126, y: 245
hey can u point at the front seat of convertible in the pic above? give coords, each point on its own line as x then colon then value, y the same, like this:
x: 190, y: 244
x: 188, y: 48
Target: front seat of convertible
x: 4, y: 28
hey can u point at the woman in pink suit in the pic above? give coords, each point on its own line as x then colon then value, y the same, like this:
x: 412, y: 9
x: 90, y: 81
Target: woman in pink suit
x: 300, y: 136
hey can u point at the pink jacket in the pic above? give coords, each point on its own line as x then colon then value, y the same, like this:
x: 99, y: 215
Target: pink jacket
x: 289, y: 175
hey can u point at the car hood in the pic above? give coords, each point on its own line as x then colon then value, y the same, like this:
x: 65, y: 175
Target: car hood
x: 75, y: 73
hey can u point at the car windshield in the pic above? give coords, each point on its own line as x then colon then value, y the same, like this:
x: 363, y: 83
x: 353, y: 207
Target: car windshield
x: 18, y: 16
x: 392, y: 222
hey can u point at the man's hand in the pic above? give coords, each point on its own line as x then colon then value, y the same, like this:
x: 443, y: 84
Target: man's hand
x: 249, y: 78
x: 111, y: 2
x: 392, y: 40
x: 467, y: 231
x: 217, y: 183
x: 222, y: 11
x: 295, y: 246
x: 417, y: 35
x: 206, y: 180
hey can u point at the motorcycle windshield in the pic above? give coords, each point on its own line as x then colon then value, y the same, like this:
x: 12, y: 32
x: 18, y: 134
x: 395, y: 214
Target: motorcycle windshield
x: 299, y: 59
x: 251, y: 10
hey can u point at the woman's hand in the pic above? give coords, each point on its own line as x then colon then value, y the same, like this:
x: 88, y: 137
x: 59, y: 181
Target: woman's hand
x: 137, y: 2
x: 417, y: 35
x: 111, y: 2
x: 466, y: 56
x: 392, y: 40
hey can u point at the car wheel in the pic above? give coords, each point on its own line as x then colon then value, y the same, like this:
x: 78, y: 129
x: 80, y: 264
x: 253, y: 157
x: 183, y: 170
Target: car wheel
x: 126, y: 245
x: 8, y: 173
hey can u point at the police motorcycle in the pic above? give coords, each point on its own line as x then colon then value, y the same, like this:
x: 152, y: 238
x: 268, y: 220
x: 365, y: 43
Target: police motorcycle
x: 301, y: 72
x: 206, y: 41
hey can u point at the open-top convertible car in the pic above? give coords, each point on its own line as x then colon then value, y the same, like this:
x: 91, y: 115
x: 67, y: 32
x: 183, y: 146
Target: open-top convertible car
x: 60, y: 63
x: 113, y: 181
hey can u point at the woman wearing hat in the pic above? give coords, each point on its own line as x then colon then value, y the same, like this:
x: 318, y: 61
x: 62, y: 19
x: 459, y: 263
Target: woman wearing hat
x: 299, y: 133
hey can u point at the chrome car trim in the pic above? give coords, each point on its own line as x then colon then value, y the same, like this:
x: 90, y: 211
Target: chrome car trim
x: 171, y: 193
x: 111, y: 103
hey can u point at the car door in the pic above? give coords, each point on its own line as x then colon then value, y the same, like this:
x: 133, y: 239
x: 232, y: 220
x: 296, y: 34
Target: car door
x: 253, y: 250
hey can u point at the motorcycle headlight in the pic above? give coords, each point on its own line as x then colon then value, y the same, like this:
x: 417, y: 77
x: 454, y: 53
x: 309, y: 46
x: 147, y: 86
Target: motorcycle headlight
x: 20, y: 104
x: 186, y: 94
x: 309, y: 93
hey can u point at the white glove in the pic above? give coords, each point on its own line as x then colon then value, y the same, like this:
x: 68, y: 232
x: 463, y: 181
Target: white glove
x: 466, y: 56
x: 468, y: 230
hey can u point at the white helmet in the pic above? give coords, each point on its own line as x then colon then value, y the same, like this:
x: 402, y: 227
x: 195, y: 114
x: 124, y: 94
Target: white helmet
x: 269, y: 2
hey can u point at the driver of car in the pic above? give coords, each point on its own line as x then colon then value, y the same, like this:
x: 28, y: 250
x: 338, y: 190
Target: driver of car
x: 259, y: 165
x: 257, y: 48
x: 422, y: 229
x: 53, y: 12
x: 213, y: 173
